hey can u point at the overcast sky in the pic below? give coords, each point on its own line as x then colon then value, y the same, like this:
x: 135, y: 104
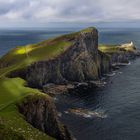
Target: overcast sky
x: 46, y: 12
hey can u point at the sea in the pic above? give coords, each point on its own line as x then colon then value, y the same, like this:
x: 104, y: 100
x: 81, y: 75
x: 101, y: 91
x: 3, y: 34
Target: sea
x: 111, y: 112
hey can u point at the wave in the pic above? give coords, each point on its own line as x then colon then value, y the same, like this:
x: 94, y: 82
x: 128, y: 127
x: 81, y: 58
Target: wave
x: 87, y: 113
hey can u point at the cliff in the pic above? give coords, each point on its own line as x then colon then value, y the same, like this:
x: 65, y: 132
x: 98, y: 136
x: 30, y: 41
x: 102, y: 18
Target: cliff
x: 40, y: 111
x: 69, y: 62
x: 81, y: 61
x: 120, y: 54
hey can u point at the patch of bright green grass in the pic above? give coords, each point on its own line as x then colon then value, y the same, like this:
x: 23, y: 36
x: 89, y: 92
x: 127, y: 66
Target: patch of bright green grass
x: 12, y: 90
x: 109, y: 48
x: 87, y: 30
x: 25, y: 55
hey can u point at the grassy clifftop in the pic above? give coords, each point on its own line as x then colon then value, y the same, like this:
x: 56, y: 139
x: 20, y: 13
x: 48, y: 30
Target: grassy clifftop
x: 117, y: 48
x: 22, y: 56
x: 12, y: 90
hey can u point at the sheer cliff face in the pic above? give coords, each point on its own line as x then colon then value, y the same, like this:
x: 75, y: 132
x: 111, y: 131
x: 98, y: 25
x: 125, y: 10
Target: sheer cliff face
x: 40, y: 111
x: 81, y: 62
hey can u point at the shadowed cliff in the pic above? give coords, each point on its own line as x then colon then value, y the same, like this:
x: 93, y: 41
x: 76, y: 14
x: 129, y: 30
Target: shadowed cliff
x: 65, y: 60
x: 81, y: 61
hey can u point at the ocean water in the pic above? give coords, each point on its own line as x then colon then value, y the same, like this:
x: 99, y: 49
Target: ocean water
x: 112, y: 112
x: 10, y: 38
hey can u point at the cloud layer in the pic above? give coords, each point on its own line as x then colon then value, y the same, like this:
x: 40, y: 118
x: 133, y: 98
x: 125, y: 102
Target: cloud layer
x: 68, y: 10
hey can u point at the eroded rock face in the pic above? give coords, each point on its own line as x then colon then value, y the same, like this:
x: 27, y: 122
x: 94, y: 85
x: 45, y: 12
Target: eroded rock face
x: 81, y: 62
x: 41, y: 113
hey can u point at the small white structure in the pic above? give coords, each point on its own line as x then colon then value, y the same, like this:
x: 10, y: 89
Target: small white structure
x: 131, y: 44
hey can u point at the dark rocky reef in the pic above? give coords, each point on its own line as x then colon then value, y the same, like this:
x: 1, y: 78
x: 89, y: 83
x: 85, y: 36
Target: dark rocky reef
x: 40, y: 111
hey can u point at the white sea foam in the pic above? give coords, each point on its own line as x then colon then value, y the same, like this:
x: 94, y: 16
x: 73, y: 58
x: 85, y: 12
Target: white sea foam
x: 87, y: 113
x: 55, y: 99
x: 111, y: 74
x: 59, y: 114
x: 98, y: 114
x: 120, y: 72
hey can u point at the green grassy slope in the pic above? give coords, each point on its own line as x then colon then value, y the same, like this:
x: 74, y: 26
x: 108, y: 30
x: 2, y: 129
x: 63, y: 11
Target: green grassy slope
x: 13, y: 90
x: 116, y: 48
x: 108, y: 48
x: 22, y: 56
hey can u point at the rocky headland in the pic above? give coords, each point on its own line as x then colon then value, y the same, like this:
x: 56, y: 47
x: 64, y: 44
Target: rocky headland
x: 81, y: 66
x: 77, y: 64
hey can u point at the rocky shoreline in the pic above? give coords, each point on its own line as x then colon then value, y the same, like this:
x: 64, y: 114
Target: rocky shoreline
x: 79, y: 68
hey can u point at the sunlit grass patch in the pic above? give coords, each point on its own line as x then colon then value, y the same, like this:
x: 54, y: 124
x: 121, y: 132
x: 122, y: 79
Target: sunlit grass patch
x: 13, y: 90
x: 108, y: 48
x: 28, y: 54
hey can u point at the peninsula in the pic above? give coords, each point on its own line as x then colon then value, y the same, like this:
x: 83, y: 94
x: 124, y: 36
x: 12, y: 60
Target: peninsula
x: 30, y: 76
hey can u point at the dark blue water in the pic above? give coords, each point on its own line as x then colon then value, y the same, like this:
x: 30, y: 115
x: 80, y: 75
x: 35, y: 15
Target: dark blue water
x: 118, y: 103
x: 118, y: 36
x: 12, y: 37
x: 9, y: 38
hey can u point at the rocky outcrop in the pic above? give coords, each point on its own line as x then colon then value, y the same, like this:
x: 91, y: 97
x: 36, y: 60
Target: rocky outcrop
x: 123, y: 54
x: 81, y: 62
x: 80, y: 67
x: 75, y: 87
x: 40, y: 111
x: 121, y: 57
